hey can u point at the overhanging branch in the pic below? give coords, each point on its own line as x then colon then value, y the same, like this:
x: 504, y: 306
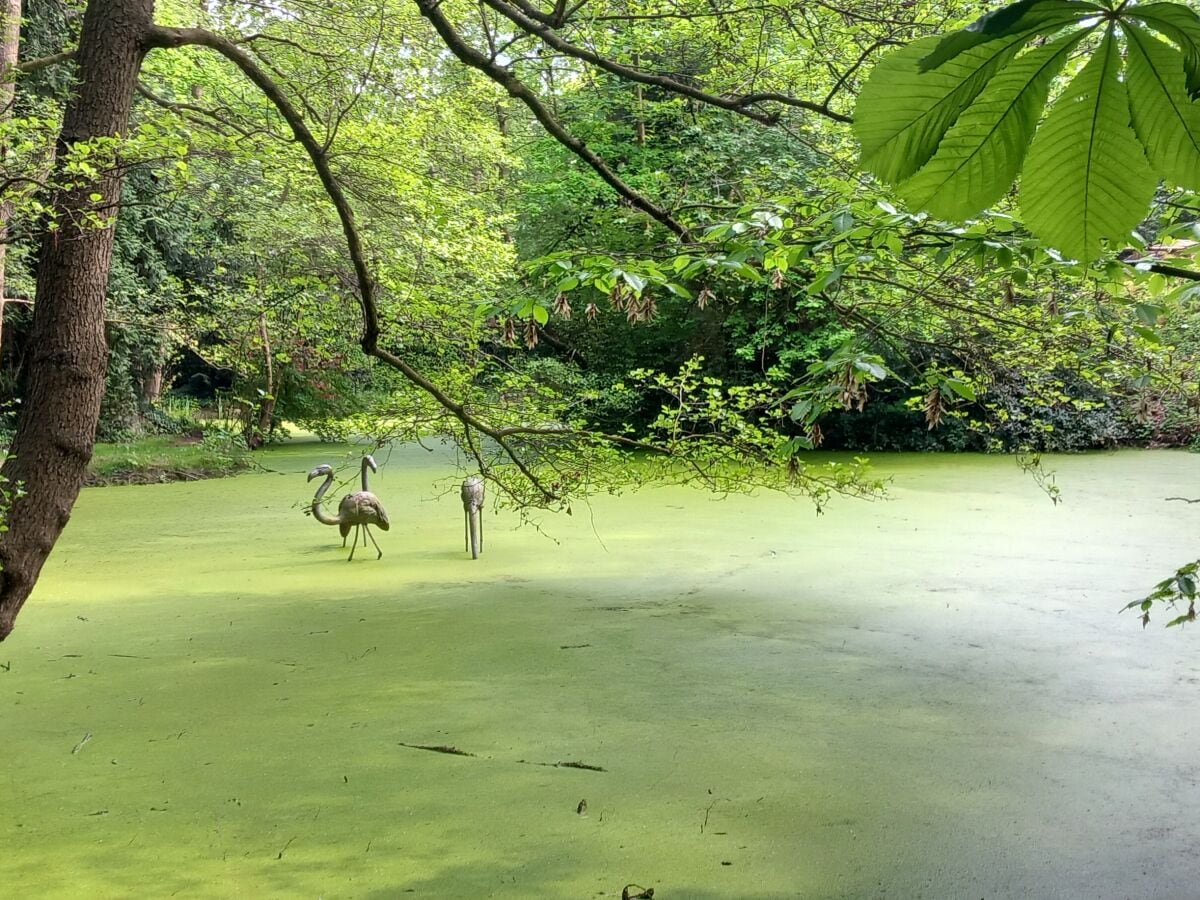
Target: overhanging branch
x: 1170, y: 271
x: 201, y: 114
x: 738, y: 103
x: 177, y: 37
x: 516, y: 88
x: 505, y: 437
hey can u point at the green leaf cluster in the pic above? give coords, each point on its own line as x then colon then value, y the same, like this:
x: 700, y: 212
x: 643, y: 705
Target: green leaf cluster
x: 951, y: 122
x: 1179, y: 588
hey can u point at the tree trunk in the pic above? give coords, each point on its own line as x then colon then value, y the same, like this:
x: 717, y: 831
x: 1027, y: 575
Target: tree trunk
x: 56, y: 428
x: 258, y: 428
x: 10, y: 33
x: 152, y: 384
x: 641, y: 104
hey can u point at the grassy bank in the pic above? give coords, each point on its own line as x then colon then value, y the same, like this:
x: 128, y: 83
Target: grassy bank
x: 164, y: 458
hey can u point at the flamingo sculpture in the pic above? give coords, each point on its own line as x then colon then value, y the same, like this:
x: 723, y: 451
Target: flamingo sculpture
x: 472, y: 499
x: 361, y: 509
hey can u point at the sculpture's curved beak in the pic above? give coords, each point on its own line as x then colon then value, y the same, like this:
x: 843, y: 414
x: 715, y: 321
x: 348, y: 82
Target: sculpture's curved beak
x: 371, y: 462
x: 317, y: 472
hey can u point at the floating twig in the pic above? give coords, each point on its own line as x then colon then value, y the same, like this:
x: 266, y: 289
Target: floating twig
x: 87, y: 737
x: 437, y: 748
x: 564, y: 765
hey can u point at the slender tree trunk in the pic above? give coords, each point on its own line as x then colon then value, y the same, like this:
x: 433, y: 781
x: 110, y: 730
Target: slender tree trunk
x: 56, y: 429
x: 10, y: 33
x: 641, y: 105
x: 260, y: 427
x: 152, y: 383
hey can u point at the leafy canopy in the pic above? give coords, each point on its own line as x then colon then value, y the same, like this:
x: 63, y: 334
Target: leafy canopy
x: 951, y: 121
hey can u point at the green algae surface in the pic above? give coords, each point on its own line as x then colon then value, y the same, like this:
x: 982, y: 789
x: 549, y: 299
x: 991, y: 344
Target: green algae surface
x: 931, y: 696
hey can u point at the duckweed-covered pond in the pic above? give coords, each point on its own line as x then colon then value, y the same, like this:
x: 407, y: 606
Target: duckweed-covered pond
x: 932, y: 696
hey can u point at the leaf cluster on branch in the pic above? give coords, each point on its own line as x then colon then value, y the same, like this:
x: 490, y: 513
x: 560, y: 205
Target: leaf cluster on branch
x: 951, y: 121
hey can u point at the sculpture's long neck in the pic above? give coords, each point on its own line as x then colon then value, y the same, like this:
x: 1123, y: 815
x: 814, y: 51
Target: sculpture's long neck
x: 318, y: 513
x: 365, y: 465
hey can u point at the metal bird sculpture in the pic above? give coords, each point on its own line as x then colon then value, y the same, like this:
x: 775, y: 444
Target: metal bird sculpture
x: 361, y: 509
x: 472, y: 500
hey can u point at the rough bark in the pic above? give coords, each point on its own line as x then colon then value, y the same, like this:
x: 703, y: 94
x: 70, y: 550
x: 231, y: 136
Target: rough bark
x: 55, y: 432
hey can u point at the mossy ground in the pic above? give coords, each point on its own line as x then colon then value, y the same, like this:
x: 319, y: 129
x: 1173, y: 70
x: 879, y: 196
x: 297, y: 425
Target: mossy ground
x: 931, y: 696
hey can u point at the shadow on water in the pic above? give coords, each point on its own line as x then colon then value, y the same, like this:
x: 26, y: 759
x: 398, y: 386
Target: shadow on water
x: 927, y: 697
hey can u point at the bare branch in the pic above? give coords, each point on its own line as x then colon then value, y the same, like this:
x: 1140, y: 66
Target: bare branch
x: 184, y: 108
x: 687, y: 15
x: 518, y: 89
x: 1170, y: 271
x: 862, y: 58
x: 45, y: 62
x: 743, y: 105
x: 308, y: 51
x: 366, y: 78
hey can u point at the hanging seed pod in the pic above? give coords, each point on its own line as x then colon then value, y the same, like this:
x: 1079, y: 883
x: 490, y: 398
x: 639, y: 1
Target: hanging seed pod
x: 617, y: 297
x: 591, y: 312
x: 852, y: 395
x: 562, y: 306
x: 510, y: 331
x: 934, y: 407
x: 777, y: 279
x: 704, y: 298
x: 531, y: 335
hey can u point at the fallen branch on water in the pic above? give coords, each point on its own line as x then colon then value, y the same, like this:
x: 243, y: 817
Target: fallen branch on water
x: 564, y: 765
x: 437, y: 748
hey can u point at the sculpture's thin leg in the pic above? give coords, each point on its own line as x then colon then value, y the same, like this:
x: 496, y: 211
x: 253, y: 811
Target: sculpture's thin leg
x: 354, y: 544
x: 480, y: 514
x: 467, y: 528
x: 473, y: 515
x: 367, y: 534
